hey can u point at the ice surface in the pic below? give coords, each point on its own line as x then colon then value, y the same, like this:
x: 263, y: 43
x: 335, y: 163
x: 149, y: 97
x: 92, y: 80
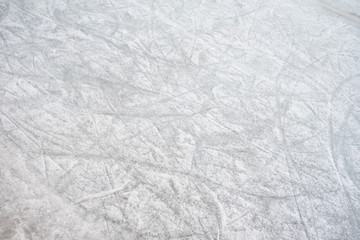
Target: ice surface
x: 180, y: 119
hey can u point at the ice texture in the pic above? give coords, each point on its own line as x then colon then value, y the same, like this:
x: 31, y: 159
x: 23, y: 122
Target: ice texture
x: 170, y: 119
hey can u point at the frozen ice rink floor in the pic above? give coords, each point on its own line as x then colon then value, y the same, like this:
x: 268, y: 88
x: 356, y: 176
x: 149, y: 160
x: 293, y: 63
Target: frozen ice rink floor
x: 169, y: 119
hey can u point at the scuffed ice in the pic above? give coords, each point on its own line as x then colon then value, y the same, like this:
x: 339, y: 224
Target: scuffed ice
x: 180, y: 119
